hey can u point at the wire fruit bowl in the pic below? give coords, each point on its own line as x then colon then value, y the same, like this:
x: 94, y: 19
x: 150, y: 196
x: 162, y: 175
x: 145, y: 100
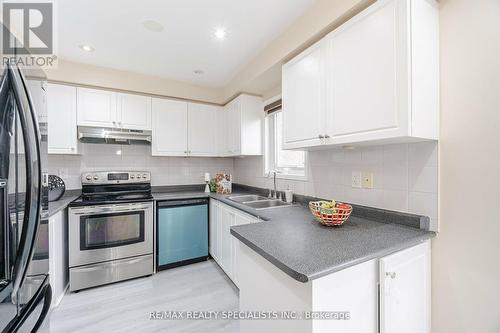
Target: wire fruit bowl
x: 335, y: 216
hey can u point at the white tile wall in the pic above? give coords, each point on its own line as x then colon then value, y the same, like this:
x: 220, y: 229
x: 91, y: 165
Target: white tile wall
x: 164, y: 170
x: 405, y: 176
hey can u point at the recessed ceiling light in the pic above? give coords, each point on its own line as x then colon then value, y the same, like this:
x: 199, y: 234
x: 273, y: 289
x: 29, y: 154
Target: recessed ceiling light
x: 220, y: 33
x: 153, y: 26
x: 86, y: 48
x: 198, y: 72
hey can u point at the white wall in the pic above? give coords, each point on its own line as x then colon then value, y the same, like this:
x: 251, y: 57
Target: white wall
x: 164, y: 170
x: 405, y: 176
x: 466, y: 253
x: 96, y: 76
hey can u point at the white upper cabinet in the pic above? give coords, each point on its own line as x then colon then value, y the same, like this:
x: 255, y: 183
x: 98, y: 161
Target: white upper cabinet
x: 231, y: 129
x: 405, y: 291
x: 103, y: 108
x: 134, y: 111
x: 96, y: 108
x: 303, y: 98
x: 202, y: 129
x: 61, y: 112
x: 240, y: 131
x: 170, y: 127
x: 380, y: 79
x: 366, y: 78
x: 184, y: 129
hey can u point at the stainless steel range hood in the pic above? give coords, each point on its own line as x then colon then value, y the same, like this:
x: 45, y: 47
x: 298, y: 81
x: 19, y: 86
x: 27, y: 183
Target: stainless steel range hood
x: 113, y: 136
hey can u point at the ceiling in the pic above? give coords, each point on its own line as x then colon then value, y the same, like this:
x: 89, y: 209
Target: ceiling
x: 114, y: 28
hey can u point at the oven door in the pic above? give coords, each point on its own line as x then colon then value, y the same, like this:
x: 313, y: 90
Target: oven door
x: 109, y: 232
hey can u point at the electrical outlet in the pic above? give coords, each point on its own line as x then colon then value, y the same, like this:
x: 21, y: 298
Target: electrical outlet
x: 356, y: 179
x: 367, y: 179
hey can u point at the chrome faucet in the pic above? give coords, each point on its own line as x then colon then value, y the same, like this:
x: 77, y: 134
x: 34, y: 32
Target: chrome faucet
x: 274, y: 172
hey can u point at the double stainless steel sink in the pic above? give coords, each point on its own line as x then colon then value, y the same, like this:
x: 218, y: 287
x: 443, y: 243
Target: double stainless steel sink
x: 258, y: 202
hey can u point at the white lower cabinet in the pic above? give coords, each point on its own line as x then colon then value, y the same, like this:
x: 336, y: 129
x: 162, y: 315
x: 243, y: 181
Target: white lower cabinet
x: 58, y: 258
x: 224, y: 247
x: 405, y: 291
x: 386, y: 295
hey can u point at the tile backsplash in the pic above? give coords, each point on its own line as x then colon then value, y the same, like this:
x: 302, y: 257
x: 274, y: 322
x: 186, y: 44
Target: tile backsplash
x: 164, y: 170
x: 405, y: 176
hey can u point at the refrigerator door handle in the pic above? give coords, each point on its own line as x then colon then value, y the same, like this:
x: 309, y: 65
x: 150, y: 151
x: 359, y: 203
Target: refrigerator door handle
x: 31, y: 135
x: 7, y: 118
x: 43, y: 293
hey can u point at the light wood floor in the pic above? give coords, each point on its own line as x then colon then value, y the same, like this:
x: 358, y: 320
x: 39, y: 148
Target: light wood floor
x: 126, y: 306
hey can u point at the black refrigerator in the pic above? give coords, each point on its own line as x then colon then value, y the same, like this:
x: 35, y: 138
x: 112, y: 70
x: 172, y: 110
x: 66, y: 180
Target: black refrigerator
x: 25, y: 292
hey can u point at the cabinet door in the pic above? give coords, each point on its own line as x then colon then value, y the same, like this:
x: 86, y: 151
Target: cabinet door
x: 234, y: 117
x: 214, y: 230
x: 405, y: 291
x: 226, y: 253
x: 367, y: 75
x: 58, y: 268
x: 224, y: 131
x: 169, y: 128
x: 134, y: 111
x: 61, y: 109
x: 303, y: 98
x: 218, y: 233
x: 239, y: 219
x: 211, y: 229
x: 202, y: 129
x: 96, y: 107
x: 231, y: 129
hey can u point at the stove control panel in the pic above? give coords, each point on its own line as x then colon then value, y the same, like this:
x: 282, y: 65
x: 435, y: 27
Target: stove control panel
x: 115, y: 177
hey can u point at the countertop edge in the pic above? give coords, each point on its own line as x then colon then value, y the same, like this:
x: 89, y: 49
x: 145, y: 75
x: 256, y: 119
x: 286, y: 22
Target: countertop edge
x: 275, y: 262
x: 301, y: 277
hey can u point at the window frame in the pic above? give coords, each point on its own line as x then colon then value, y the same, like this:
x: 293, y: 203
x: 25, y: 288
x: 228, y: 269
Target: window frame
x: 270, y: 156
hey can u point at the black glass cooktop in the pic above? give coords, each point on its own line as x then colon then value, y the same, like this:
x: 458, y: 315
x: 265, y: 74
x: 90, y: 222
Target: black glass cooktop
x: 113, y: 194
x: 84, y: 200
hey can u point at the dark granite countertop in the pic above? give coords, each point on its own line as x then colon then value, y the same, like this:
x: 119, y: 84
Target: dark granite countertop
x: 56, y: 206
x: 298, y: 245
x: 305, y: 250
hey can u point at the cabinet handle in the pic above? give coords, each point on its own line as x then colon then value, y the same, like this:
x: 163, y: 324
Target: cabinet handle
x: 321, y: 136
x: 392, y: 275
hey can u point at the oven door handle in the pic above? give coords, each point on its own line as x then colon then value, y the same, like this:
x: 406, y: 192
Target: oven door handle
x: 92, y: 211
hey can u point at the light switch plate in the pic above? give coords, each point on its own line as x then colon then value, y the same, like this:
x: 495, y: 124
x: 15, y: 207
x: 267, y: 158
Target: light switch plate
x: 367, y: 179
x: 356, y: 179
